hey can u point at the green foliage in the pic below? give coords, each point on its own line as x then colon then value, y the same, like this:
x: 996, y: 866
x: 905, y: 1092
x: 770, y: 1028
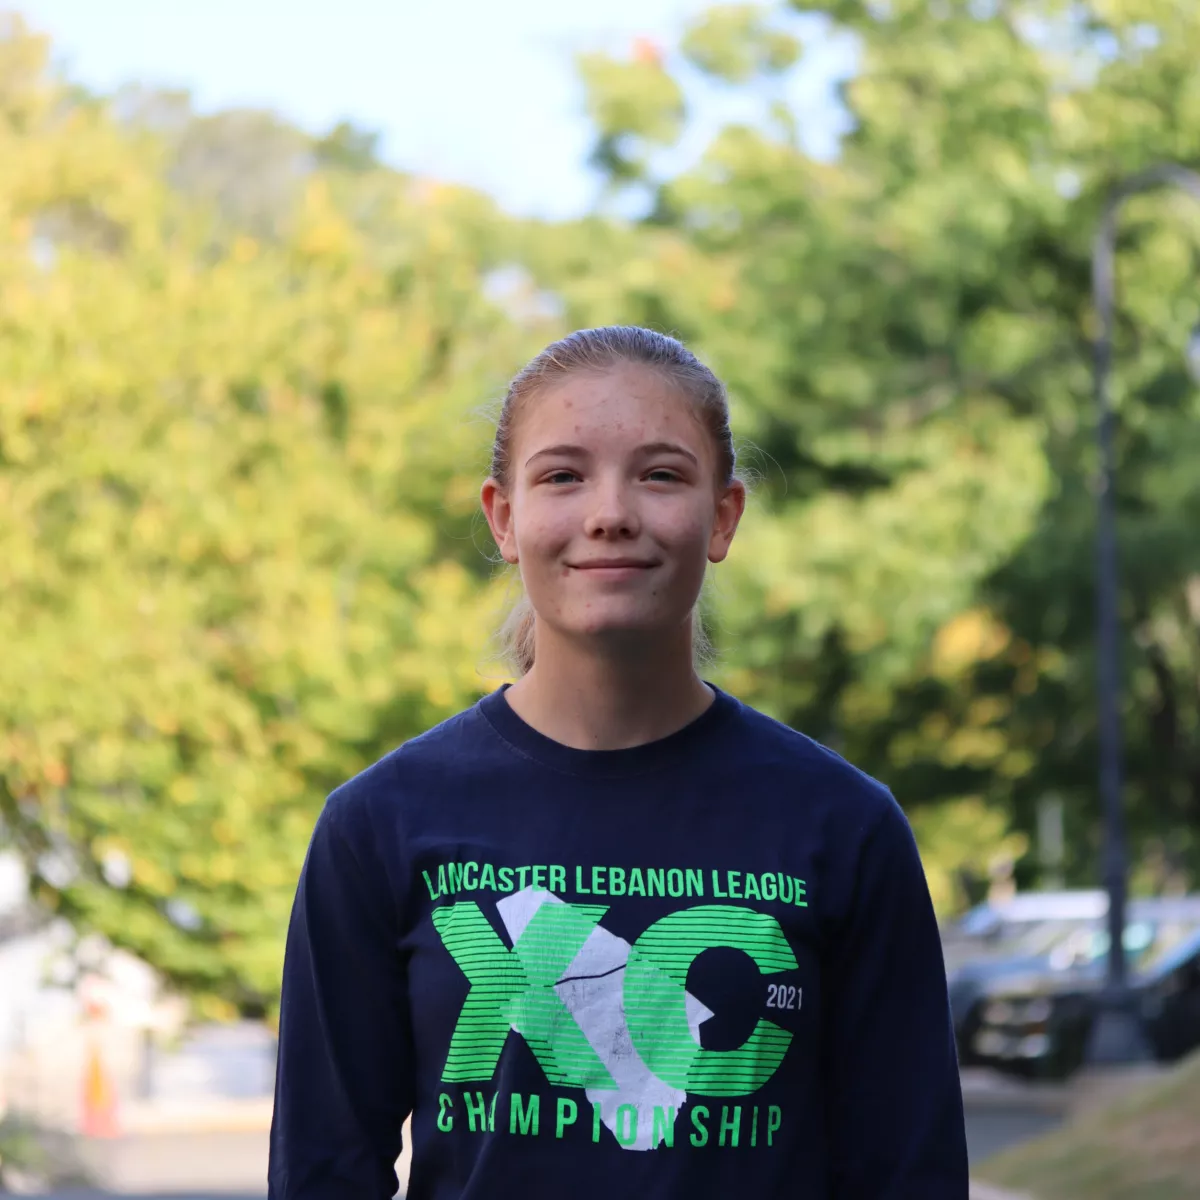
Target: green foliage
x: 735, y: 42
x: 906, y: 333
x: 236, y: 487
x: 348, y: 147
x: 636, y: 106
x: 20, y: 1149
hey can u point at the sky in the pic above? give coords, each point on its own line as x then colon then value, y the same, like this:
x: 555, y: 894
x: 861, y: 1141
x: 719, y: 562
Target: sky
x: 474, y: 91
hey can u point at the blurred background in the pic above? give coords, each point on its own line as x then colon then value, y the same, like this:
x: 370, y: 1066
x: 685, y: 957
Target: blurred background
x: 265, y: 271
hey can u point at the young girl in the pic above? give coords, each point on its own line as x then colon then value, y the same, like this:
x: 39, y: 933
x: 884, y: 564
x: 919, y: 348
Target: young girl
x: 611, y: 932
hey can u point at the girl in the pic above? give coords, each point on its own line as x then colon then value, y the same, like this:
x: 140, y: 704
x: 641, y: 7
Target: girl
x: 611, y: 932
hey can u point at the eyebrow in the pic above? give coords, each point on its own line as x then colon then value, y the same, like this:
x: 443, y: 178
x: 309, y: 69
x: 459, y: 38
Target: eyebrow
x: 566, y: 450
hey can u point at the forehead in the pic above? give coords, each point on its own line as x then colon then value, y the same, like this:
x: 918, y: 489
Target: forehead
x: 629, y: 400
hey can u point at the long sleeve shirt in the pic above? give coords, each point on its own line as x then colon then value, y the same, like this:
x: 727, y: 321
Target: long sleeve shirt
x: 704, y: 966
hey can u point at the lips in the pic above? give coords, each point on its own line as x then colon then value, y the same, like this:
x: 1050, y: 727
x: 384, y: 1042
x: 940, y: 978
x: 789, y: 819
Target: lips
x: 613, y: 564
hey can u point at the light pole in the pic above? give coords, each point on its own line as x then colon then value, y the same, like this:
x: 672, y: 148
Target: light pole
x: 1117, y: 1035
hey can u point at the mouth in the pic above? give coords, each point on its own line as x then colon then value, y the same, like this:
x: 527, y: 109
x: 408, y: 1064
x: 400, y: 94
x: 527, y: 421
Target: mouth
x: 605, y: 565
x: 613, y: 571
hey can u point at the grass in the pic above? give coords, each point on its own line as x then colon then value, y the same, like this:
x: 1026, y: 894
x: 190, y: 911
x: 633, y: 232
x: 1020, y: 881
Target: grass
x: 19, y: 1148
x: 1146, y: 1146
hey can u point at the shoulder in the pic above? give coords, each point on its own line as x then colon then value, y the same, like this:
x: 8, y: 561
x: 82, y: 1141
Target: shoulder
x: 815, y: 769
x: 431, y: 763
x: 864, y: 842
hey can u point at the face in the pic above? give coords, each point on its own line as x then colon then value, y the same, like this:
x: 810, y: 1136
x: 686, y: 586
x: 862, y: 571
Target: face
x: 612, y: 508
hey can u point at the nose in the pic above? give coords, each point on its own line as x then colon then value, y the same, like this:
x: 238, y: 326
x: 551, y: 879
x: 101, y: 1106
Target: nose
x: 612, y: 514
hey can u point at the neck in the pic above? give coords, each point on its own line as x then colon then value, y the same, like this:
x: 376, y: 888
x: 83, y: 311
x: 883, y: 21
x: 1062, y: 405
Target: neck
x: 590, y: 699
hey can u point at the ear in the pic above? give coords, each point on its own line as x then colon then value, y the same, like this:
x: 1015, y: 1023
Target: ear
x: 499, y: 513
x: 731, y: 503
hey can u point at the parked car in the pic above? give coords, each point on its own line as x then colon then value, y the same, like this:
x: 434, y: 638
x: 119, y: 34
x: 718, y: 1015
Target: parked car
x: 1020, y: 954
x: 1000, y: 929
x: 993, y: 917
x: 1034, y: 1017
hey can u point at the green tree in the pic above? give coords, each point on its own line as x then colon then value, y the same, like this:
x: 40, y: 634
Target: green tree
x: 237, y: 480
x: 906, y: 334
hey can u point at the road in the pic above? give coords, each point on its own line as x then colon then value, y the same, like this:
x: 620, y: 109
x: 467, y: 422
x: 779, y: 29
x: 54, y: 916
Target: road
x: 989, y: 1132
x: 93, y: 1195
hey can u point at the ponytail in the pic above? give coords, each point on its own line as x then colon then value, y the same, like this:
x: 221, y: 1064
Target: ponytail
x: 517, y: 635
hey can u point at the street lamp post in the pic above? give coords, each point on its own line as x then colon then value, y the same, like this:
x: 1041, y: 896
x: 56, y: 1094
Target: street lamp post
x: 1117, y: 1035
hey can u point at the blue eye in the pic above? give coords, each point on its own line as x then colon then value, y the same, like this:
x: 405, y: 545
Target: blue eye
x: 662, y: 475
x: 562, y: 477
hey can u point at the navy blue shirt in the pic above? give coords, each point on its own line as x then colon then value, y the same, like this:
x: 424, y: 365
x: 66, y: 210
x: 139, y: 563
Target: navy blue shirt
x: 704, y: 966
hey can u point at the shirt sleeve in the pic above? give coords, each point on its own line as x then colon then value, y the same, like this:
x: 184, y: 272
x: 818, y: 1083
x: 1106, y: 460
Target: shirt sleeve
x: 895, y: 1107
x: 343, y: 1083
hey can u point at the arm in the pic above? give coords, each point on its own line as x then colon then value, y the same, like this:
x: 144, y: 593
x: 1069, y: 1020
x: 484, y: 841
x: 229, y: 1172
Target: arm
x: 895, y: 1115
x: 343, y: 1085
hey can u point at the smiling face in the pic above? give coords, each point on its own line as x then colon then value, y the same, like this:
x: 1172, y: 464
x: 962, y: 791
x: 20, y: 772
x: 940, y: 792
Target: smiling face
x: 612, y: 506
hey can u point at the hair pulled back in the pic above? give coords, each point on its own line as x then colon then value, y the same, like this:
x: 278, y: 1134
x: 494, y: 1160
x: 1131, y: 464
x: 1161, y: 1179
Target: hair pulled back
x: 595, y: 351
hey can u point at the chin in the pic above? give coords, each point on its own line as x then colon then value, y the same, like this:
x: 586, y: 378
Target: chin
x: 620, y: 625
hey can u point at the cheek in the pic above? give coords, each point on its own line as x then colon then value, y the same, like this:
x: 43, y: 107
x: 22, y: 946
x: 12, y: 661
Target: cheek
x: 540, y: 529
x: 688, y: 528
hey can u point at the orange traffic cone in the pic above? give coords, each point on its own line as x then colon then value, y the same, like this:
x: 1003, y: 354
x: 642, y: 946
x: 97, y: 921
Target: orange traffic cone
x: 99, y: 1099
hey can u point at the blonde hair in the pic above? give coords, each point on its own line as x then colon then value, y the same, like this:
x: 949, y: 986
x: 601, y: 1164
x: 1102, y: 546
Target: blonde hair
x: 597, y: 351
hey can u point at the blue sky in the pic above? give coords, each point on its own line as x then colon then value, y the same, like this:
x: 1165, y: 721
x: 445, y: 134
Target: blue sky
x: 475, y: 91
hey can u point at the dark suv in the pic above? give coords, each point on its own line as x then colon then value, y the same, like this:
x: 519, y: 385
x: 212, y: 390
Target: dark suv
x: 1032, y: 1015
